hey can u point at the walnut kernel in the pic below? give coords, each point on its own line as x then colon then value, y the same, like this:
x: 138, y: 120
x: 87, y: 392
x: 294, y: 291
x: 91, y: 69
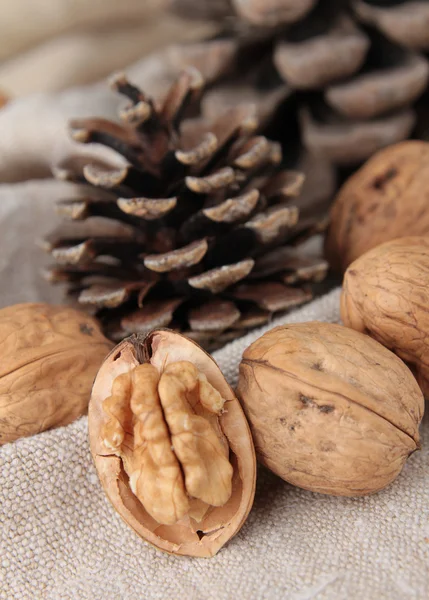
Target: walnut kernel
x: 179, y: 451
x: 171, y: 444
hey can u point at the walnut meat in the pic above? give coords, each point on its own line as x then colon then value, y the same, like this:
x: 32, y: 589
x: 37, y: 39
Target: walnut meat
x: 50, y: 356
x: 171, y: 444
x: 330, y: 409
x: 386, y: 295
x: 387, y: 198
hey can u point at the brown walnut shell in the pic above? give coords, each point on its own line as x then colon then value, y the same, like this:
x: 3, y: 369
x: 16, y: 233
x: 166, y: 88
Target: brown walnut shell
x: 386, y: 295
x: 330, y: 409
x: 385, y: 199
x: 203, y: 536
x: 50, y: 356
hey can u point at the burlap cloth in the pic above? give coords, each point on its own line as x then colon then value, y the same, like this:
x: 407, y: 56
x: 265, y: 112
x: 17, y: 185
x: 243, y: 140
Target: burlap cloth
x: 51, y: 45
x: 61, y: 539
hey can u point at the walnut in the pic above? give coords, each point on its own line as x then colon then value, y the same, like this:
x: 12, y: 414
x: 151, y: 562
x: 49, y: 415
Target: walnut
x: 171, y: 444
x: 387, y: 198
x: 50, y: 356
x: 331, y: 410
x: 386, y: 295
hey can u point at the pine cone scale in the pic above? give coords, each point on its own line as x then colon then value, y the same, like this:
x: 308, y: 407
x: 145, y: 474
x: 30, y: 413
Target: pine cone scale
x: 215, y: 315
x: 219, y: 279
x: 272, y: 296
x: 181, y: 258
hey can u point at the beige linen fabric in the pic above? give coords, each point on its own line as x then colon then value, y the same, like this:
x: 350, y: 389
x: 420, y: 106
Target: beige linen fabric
x: 34, y: 129
x: 51, y: 45
x: 60, y: 539
x: 25, y: 23
x: 87, y: 55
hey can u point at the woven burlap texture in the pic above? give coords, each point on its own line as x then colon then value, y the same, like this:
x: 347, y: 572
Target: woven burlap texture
x: 61, y: 539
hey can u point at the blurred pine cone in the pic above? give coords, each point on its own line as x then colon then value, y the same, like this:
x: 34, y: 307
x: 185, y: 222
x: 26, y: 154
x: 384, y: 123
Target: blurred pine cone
x: 199, y: 230
x: 354, y: 68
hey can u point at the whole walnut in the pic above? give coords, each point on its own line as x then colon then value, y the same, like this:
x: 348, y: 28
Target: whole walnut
x: 171, y: 444
x: 331, y: 410
x: 386, y: 295
x: 49, y: 358
x: 387, y: 198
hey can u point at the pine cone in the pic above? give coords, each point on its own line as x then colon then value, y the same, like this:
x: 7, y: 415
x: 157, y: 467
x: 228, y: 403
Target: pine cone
x: 198, y: 230
x: 352, y: 65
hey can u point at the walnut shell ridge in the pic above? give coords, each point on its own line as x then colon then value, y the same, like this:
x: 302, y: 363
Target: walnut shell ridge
x: 330, y: 409
x: 386, y: 295
x: 385, y: 199
x: 50, y: 356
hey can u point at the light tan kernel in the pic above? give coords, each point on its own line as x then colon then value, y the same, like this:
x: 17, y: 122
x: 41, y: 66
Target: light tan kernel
x: 208, y: 472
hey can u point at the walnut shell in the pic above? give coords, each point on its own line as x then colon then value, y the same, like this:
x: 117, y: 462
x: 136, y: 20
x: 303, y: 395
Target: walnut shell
x: 50, y: 356
x: 386, y: 295
x: 201, y: 535
x: 330, y: 409
x: 385, y: 199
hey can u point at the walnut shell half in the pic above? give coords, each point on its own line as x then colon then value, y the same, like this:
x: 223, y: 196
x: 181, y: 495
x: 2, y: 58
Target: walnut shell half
x: 49, y: 358
x: 331, y: 410
x: 386, y: 295
x: 385, y: 199
x: 171, y: 444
